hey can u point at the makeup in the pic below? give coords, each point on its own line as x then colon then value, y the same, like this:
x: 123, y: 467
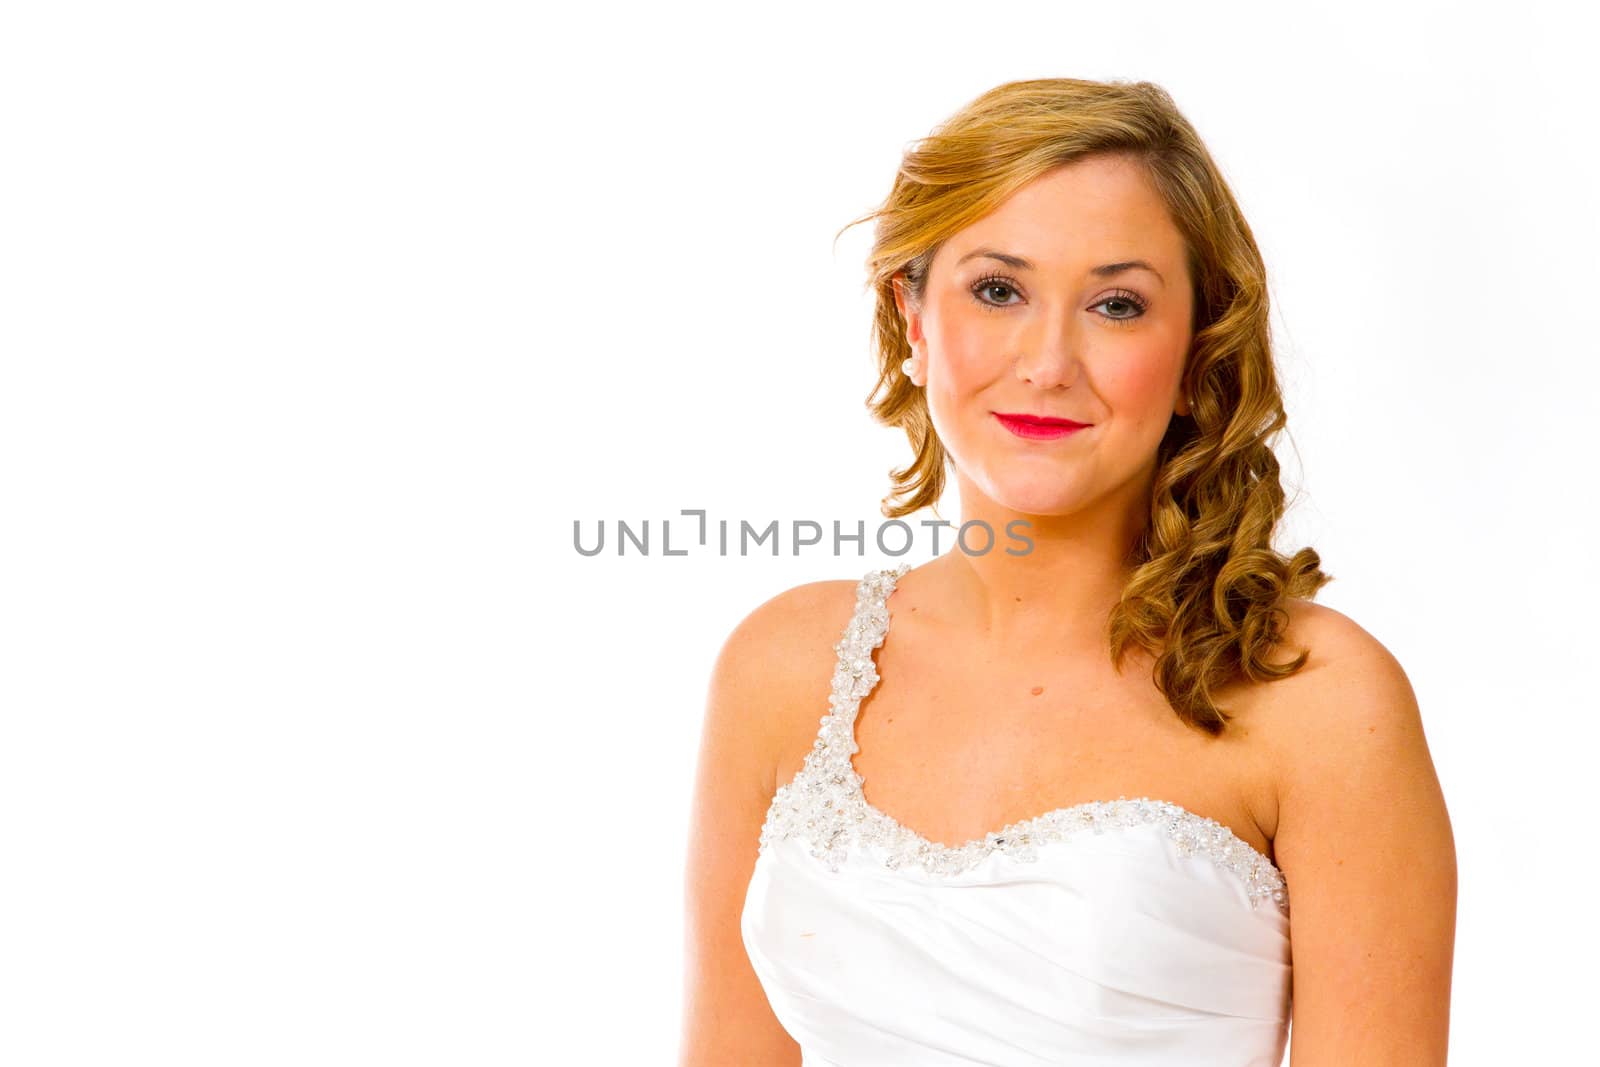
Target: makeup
x: 1039, y: 427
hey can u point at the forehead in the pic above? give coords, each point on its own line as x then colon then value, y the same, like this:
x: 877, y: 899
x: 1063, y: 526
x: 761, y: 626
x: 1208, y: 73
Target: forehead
x: 1098, y: 209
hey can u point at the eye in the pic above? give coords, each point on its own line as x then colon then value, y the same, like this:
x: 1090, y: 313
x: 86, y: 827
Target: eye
x: 1129, y: 306
x: 988, y: 285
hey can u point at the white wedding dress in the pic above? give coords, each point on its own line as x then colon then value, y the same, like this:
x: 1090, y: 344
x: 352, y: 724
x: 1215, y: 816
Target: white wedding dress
x: 1129, y: 932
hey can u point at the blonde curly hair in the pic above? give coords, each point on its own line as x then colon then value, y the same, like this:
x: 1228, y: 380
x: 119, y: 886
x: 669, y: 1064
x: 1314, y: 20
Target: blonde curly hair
x: 1207, y: 589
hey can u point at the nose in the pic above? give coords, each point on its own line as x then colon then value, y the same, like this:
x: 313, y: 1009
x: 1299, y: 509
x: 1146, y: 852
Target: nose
x: 1050, y: 356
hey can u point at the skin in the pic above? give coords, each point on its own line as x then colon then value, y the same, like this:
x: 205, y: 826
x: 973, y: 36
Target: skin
x: 1327, y: 772
x: 1054, y: 340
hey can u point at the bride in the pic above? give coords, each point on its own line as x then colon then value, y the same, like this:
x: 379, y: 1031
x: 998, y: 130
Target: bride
x: 1128, y: 796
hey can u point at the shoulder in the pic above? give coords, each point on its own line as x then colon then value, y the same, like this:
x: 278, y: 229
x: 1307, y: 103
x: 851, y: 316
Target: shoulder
x: 776, y: 659
x: 1350, y: 684
x: 1351, y: 687
x: 787, y: 625
x: 1356, y: 715
x: 1357, y: 790
x: 1365, y: 842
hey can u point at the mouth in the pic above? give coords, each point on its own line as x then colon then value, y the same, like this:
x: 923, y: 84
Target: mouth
x: 1039, y: 427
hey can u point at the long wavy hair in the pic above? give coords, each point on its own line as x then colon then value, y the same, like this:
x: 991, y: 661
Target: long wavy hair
x: 1206, y: 591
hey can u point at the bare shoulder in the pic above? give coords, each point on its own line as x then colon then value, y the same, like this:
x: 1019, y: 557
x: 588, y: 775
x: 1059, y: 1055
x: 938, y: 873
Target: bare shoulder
x: 1364, y: 840
x: 787, y: 635
x: 1350, y: 682
x: 780, y: 655
x: 787, y: 620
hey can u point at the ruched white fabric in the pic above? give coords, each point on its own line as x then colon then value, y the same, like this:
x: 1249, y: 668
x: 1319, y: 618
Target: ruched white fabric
x: 1132, y: 932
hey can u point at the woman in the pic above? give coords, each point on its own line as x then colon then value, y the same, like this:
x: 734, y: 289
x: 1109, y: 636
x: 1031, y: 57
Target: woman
x: 1061, y: 798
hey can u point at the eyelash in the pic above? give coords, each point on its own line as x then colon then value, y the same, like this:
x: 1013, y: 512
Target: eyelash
x: 1122, y: 295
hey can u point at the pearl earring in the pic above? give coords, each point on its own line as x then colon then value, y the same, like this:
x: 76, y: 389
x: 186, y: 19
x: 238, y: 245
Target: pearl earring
x: 906, y: 366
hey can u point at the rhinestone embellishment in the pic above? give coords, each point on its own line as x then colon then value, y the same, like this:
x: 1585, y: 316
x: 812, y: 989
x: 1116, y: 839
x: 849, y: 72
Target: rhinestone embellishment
x: 824, y: 806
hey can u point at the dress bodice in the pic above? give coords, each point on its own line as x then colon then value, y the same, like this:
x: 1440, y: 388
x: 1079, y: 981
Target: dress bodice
x: 1127, y: 931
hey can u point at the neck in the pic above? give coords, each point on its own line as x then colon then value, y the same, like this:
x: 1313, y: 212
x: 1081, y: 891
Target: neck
x: 1059, y: 594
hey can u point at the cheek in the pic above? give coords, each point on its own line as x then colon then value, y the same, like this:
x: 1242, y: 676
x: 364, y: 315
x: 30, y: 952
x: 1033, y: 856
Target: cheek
x: 1145, y: 380
x: 969, y: 358
x: 966, y: 349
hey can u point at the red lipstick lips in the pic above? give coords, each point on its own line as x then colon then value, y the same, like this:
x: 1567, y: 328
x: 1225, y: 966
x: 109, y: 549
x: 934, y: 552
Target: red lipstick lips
x: 1039, y: 427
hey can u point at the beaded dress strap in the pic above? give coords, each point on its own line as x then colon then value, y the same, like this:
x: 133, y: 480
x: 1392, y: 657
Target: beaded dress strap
x: 855, y: 673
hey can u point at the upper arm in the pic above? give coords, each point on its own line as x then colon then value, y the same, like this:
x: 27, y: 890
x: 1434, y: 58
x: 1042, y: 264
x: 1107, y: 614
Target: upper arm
x: 1365, y: 843
x: 764, y: 665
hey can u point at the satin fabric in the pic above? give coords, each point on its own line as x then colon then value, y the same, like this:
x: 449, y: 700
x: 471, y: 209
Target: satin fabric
x: 1114, y: 946
x: 1110, y: 948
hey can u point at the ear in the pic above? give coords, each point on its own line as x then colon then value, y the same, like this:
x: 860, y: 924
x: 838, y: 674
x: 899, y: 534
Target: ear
x: 912, y: 317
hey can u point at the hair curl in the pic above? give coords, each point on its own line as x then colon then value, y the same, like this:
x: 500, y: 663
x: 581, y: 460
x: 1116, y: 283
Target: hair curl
x: 1206, y: 589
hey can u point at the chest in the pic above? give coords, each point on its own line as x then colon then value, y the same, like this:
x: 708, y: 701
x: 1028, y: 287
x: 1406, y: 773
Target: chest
x: 956, y: 746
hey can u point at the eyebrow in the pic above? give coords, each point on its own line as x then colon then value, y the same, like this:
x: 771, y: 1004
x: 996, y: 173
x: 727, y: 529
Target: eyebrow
x: 1105, y: 270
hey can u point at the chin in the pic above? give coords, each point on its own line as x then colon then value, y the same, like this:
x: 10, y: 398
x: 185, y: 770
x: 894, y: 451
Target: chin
x: 1052, y: 498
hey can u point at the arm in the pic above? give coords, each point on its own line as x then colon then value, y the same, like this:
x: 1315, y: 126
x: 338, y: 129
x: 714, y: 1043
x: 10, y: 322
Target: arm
x: 726, y: 1016
x: 1365, y: 842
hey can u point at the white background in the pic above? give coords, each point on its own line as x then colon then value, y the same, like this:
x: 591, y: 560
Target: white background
x: 323, y: 322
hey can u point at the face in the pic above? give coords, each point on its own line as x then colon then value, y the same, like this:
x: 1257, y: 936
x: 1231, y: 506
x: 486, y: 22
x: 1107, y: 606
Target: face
x: 1057, y: 329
